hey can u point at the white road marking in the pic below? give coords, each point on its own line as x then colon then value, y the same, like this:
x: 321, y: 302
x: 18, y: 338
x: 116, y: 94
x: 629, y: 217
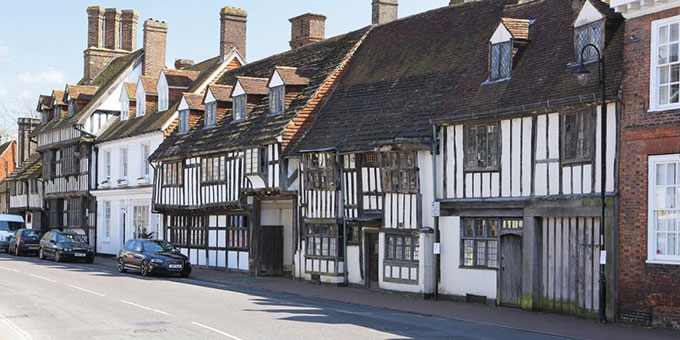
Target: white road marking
x: 143, y: 307
x: 87, y: 290
x: 7, y: 269
x: 216, y: 330
x: 20, y: 332
x: 14, y: 270
x: 42, y: 278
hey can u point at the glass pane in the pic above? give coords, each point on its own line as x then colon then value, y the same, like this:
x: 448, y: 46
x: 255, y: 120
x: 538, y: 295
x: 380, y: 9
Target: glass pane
x: 673, y: 55
x: 670, y: 174
x: 481, y: 253
x: 469, y: 227
x: 672, y: 243
x: 493, y: 254
x: 660, y: 194
x: 663, y: 34
x: 468, y: 253
x: 663, y: 74
x: 675, y: 73
x: 674, y: 92
x: 479, y: 228
x: 661, y: 219
x: 661, y: 243
x: 660, y: 174
x: 670, y: 197
x: 663, y: 55
x: 673, y: 32
x: 672, y: 221
x: 663, y: 95
x: 493, y: 228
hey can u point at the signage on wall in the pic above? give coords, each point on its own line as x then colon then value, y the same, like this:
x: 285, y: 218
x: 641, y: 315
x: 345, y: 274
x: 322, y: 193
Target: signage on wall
x: 603, y: 257
x: 437, y: 248
x: 436, y: 209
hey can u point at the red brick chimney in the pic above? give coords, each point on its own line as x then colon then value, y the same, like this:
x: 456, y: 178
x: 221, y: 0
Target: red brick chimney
x: 155, y: 37
x: 384, y: 11
x: 233, y: 30
x: 104, y: 40
x: 129, y: 30
x: 112, y: 28
x: 95, y: 26
x: 307, y: 29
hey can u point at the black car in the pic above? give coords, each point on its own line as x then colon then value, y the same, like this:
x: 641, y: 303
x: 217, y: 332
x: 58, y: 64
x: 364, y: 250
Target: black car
x: 65, y: 246
x: 25, y: 241
x: 153, y: 256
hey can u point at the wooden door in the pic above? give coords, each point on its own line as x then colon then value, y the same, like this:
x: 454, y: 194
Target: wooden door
x: 511, y: 270
x: 373, y: 255
x: 271, y: 250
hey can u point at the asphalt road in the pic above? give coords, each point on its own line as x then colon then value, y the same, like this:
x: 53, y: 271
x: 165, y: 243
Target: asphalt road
x: 46, y: 300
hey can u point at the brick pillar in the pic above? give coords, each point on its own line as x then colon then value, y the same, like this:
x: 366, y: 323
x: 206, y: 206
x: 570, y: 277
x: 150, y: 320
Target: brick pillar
x: 307, y: 29
x: 95, y: 26
x: 155, y: 35
x: 384, y: 11
x: 129, y: 37
x: 112, y: 28
x: 233, y: 30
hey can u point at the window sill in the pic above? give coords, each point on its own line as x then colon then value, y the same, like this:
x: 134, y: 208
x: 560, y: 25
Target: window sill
x: 404, y: 263
x: 494, y: 81
x: 476, y: 267
x: 571, y: 162
x: 323, y: 257
x: 476, y: 170
x: 663, y: 108
x: 666, y: 262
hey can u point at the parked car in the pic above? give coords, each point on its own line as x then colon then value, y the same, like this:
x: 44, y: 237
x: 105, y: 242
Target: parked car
x: 25, y: 241
x: 153, y: 256
x: 63, y: 246
x: 9, y: 224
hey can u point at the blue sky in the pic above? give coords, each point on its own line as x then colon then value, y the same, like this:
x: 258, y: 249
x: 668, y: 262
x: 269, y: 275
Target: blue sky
x: 42, y: 42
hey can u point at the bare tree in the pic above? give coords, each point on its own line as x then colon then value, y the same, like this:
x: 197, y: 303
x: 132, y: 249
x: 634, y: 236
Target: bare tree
x: 9, y: 116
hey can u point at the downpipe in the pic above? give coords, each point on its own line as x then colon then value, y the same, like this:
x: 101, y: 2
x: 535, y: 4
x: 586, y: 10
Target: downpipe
x: 436, y: 218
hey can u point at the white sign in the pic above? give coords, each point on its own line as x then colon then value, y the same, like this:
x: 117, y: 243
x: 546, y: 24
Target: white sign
x: 603, y: 257
x: 437, y: 248
x: 436, y: 210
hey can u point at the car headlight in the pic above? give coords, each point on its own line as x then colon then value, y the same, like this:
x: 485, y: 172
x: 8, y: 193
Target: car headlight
x: 157, y: 261
x: 68, y: 249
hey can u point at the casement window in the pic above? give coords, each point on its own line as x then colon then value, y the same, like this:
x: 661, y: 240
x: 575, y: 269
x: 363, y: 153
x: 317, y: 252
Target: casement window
x: 57, y: 112
x: 353, y: 234
x: 70, y: 164
x: 146, y: 167
x: 172, y: 174
x: 163, y: 98
x: 577, y: 136
x: 123, y: 163
x: 237, y: 232
x: 107, y: 219
x: 240, y: 107
x: 322, y: 240
x: 141, y: 105
x: 212, y: 169
x: 277, y: 99
x: 49, y: 164
x: 45, y: 116
x: 210, y: 118
x: 479, y: 242
x: 592, y: 33
x: 183, y: 121
x: 75, y: 212
x: 72, y: 107
x: 402, y: 248
x: 107, y: 164
x: 481, y: 147
x: 500, y: 60
x: 664, y: 209
x: 124, y: 109
x: 140, y: 220
x: 665, y: 64
x: 320, y: 171
x: 399, y: 171
x: 255, y: 161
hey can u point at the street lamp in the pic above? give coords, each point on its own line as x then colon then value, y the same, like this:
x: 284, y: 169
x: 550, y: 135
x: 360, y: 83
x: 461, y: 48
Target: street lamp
x: 582, y: 75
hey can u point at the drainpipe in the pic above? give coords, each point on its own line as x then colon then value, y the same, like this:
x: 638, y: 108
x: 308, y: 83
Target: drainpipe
x: 338, y: 161
x: 436, y: 218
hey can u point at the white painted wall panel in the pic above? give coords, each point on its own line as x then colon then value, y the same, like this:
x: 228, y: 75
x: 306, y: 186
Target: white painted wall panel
x: 527, y: 162
x: 516, y: 157
x: 505, y: 158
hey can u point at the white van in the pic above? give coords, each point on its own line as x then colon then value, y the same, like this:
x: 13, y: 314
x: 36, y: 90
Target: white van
x: 9, y: 224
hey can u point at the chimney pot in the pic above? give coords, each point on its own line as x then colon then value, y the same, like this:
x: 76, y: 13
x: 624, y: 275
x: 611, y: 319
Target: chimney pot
x: 233, y: 30
x: 129, y: 30
x: 384, y: 11
x: 307, y: 29
x: 155, y: 39
x: 183, y: 63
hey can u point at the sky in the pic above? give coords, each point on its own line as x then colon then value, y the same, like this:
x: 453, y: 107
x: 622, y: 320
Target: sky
x: 42, y: 42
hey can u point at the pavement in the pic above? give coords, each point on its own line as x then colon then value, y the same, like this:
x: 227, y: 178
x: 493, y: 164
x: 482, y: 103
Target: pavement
x: 45, y: 300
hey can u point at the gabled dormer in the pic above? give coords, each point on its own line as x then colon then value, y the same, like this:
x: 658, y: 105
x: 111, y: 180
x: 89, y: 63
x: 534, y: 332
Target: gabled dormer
x: 217, y: 100
x: 510, y: 35
x: 163, y: 93
x: 57, y: 104
x: 127, y: 101
x: 589, y: 28
x: 190, y: 110
x: 77, y: 96
x: 247, y: 92
x: 145, y: 94
x: 45, y: 108
x: 284, y: 84
x: 172, y: 84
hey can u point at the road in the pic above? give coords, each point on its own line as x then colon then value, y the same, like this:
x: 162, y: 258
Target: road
x: 46, y: 300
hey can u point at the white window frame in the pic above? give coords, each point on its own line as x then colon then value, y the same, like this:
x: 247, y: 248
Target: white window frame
x: 240, y: 111
x: 277, y: 99
x: 183, y: 121
x: 163, y: 97
x: 107, y: 219
x: 653, y: 64
x: 652, y: 256
x: 107, y: 164
x: 141, y: 105
x: 124, y: 163
x: 145, y: 152
x: 210, y: 117
x: 125, y: 109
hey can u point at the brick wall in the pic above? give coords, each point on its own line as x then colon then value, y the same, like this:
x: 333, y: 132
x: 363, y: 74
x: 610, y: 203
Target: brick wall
x: 112, y: 28
x: 307, y: 29
x: 155, y: 38
x: 8, y: 160
x: 384, y: 11
x: 233, y: 30
x: 648, y: 293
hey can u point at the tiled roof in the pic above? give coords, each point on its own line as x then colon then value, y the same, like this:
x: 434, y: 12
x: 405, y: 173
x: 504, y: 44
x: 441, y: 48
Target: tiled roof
x: 45, y: 100
x: 131, y: 90
x: 81, y: 91
x: 325, y: 57
x: 5, y: 146
x: 291, y: 75
x: 28, y: 168
x: 519, y: 28
x: 221, y: 92
x: 434, y: 65
x: 253, y: 85
x: 58, y: 96
x: 180, y: 78
x: 194, y: 101
x: 149, y: 84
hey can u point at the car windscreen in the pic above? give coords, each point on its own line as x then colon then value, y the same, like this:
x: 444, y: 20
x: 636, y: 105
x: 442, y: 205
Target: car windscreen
x: 30, y: 233
x: 70, y: 238
x: 11, y: 226
x: 159, y: 246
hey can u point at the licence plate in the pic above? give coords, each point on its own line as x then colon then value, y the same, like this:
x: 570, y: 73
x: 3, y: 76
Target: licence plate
x: 175, y: 266
x: 79, y: 254
x: 34, y: 247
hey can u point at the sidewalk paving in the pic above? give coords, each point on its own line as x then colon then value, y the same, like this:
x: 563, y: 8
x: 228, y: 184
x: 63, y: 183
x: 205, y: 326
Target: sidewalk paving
x: 539, y: 322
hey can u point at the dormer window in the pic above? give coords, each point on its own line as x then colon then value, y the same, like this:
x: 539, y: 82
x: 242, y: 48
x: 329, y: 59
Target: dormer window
x: 57, y: 111
x: 210, y: 114
x: 589, y: 34
x: 500, y: 60
x: 183, y: 121
x: 72, y: 107
x: 163, y: 95
x: 124, y: 109
x: 141, y: 104
x: 277, y: 99
x: 240, y: 107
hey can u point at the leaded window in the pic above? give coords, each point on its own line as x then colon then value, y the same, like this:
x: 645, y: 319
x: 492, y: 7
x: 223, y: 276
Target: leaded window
x: 481, y: 147
x: 72, y: 106
x: 479, y: 242
x: 240, y: 107
x: 320, y: 171
x: 589, y: 34
x: 212, y: 169
x: 577, y: 135
x: 255, y: 161
x: 322, y: 240
x: 402, y: 248
x: 172, y: 174
x: 277, y: 99
x: 238, y: 233
x: 183, y: 121
x: 210, y: 114
x: 500, y: 60
x: 399, y: 171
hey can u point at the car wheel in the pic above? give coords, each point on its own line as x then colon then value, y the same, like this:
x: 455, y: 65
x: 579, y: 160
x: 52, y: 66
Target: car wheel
x: 145, y: 268
x: 57, y: 256
x: 185, y: 273
x: 17, y: 252
x: 121, y: 266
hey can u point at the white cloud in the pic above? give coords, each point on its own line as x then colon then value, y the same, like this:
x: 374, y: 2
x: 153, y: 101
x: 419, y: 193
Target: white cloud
x: 25, y: 94
x: 3, y: 48
x: 3, y: 91
x: 49, y: 76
